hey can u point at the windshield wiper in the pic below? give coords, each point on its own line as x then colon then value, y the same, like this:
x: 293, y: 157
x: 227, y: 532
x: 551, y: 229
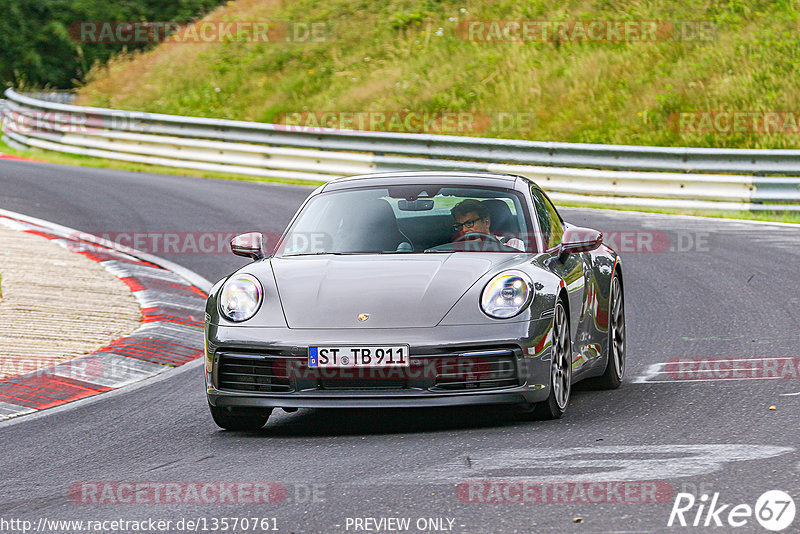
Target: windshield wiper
x: 320, y: 254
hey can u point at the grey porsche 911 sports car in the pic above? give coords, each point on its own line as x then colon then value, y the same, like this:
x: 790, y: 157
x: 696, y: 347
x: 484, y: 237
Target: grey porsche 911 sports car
x: 416, y: 289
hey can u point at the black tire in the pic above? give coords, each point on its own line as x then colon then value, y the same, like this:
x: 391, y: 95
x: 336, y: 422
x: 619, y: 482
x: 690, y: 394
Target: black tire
x: 233, y: 421
x: 615, y: 367
x: 560, y: 373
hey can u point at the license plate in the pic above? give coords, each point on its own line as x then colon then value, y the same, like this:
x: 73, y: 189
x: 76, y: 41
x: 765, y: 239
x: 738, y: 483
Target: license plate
x: 359, y: 356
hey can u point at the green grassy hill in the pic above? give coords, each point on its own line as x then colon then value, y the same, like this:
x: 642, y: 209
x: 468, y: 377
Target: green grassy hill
x: 392, y: 55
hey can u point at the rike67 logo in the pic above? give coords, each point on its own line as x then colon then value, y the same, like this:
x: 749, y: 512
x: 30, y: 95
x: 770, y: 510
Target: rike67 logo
x: 774, y: 510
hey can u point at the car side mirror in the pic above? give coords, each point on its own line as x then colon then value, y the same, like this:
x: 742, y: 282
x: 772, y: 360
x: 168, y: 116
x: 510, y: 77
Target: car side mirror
x: 576, y: 239
x: 249, y: 245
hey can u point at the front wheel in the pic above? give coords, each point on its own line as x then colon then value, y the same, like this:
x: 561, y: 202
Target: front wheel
x: 233, y: 421
x: 560, y: 372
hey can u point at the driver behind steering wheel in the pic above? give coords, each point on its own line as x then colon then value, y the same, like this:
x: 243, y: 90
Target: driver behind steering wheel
x: 471, y: 216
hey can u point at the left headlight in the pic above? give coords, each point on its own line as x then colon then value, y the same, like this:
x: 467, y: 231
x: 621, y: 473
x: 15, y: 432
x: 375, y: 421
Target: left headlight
x: 507, y: 295
x: 240, y: 298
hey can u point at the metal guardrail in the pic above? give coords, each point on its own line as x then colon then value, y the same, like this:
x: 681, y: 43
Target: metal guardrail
x: 602, y: 174
x: 60, y: 97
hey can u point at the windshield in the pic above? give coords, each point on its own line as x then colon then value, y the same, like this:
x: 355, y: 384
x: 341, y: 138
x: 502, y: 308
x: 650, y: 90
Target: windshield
x: 411, y: 219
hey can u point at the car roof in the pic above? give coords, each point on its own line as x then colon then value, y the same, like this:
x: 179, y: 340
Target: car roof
x: 424, y: 177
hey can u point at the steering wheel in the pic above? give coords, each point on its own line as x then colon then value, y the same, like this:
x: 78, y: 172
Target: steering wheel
x: 476, y: 236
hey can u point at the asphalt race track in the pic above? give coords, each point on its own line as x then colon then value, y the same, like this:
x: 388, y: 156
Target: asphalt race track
x: 728, y: 291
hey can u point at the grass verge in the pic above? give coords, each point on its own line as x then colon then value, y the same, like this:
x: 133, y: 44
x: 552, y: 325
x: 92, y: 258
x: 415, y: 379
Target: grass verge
x: 101, y: 163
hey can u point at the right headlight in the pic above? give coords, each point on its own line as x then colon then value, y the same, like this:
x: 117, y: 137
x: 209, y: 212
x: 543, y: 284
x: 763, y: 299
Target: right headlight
x: 240, y: 298
x: 507, y: 295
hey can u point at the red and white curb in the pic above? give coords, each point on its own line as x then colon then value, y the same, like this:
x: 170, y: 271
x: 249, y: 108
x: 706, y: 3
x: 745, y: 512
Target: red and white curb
x: 10, y: 157
x: 172, y: 301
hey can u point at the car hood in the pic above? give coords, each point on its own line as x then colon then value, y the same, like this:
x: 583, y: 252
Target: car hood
x: 413, y: 291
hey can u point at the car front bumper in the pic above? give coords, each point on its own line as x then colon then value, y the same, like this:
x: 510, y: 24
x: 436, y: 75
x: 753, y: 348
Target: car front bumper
x: 254, y: 368
x: 382, y: 399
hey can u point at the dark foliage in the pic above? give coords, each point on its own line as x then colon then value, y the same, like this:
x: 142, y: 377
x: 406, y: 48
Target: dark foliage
x: 37, y: 47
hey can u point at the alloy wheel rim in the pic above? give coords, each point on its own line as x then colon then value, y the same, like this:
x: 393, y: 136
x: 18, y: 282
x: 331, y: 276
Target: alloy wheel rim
x: 561, y: 362
x: 617, y: 328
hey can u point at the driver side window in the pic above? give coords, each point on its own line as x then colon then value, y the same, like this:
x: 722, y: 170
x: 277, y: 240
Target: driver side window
x: 549, y: 220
